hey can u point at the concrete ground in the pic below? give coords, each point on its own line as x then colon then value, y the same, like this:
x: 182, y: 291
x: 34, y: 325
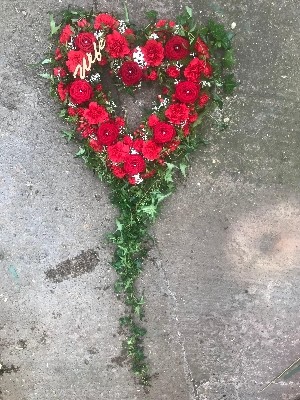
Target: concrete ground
x: 222, y: 285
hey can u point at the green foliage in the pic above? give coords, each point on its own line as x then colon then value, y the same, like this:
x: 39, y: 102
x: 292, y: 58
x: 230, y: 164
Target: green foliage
x: 53, y: 27
x: 151, y: 15
x: 229, y: 83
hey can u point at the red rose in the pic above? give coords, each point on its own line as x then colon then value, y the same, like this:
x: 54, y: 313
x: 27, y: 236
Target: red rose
x: 151, y: 150
x: 153, y: 120
x: 173, y: 72
x: 95, y: 114
x: 187, y: 92
x: 65, y: 35
x: 81, y: 23
x: 152, y: 76
x: 202, y: 48
x: 163, y: 132
x: 153, y: 52
x: 177, y: 113
x: 80, y: 91
x: 85, y: 41
x: 203, y: 99
x: 95, y: 145
x: 130, y: 73
x: 197, y: 67
x: 108, y: 133
x: 59, y: 72
x: 105, y: 20
x: 118, y: 152
x: 75, y: 57
x: 62, y: 91
x: 117, y: 45
x: 118, y: 171
x: 137, y: 144
x: 134, y: 164
x: 177, y: 48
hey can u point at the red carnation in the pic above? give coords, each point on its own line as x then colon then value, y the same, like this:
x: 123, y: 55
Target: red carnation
x: 117, y: 45
x: 153, y: 52
x: 203, y: 99
x: 187, y: 92
x: 177, y: 113
x: 95, y: 114
x: 65, y: 35
x: 130, y: 73
x: 108, y: 133
x: 151, y: 150
x: 80, y: 91
x: 137, y: 144
x: 58, y: 54
x: 197, y: 67
x: 173, y: 72
x: 62, y: 91
x: 75, y: 57
x: 202, y: 48
x: 59, y: 72
x: 161, y: 23
x: 152, y: 76
x: 134, y: 164
x: 163, y: 132
x: 177, y: 48
x: 118, y: 152
x: 85, y: 41
x: 105, y: 20
x: 95, y: 145
x: 118, y: 171
x: 153, y: 120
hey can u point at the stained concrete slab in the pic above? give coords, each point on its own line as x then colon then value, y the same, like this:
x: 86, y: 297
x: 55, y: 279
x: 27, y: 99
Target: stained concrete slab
x: 221, y: 283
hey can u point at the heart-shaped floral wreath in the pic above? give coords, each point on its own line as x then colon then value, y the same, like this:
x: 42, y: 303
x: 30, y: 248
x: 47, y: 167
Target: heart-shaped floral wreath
x: 190, y: 63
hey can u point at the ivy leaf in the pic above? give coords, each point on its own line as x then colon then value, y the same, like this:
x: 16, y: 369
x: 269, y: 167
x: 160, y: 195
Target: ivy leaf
x: 183, y: 168
x: 169, y: 172
x: 54, y: 28
x: 229, y: 83
x: 68, y: 135
x: 80, y: 152
x: 160, y: 197
x: 46, y: 76
x: 150, y: 210
x: 119, y: 225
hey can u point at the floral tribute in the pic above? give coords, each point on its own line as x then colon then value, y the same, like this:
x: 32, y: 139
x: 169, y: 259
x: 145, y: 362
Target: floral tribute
x: 191, y: 63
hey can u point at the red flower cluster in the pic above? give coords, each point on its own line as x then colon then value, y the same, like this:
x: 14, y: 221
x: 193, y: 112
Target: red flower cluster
x: 178, y: 62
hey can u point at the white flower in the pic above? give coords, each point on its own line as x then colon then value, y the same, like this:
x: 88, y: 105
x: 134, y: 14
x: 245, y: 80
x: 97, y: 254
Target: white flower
x: 153, y: 36
x: 122, y: 26
x: 138, y: 179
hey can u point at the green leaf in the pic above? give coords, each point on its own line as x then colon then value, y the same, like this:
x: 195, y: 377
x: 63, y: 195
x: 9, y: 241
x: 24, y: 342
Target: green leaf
x: 54, y: 28
x: 80, y: 152
x: 228, y: 59
x: 47, y: 61
x: 126, y: 13
x: 150, y: 210
x: 46, y: 75
x: 68, y: 135
x: 152, y: 15
x: 229, y: 83
x: 189, y: 11
x: 183, y: 168
x: 119, y: 225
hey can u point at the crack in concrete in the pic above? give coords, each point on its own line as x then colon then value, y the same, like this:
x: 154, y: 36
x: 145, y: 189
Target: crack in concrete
x: 190, y: 381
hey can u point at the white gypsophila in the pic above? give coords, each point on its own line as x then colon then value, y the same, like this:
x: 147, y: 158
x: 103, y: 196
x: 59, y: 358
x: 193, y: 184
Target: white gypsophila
x: 95, y: 77
x: 178, y: 65
x: 138, y: 57
x: 153, y: 36
x: 133, y: 151
x: 122, y: 26
x: 70, y: 104
x: 206, y: 83
x: 162, y: 104
x: 70, y: 44
x: 98, y: 34
x: 138, y: 178
x: 177, y: 29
